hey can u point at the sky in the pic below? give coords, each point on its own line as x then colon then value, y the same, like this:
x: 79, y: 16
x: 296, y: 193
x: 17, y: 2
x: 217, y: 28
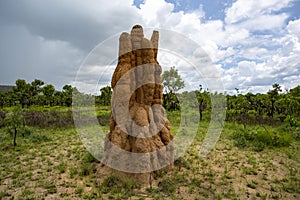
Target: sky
x: 251, y: 44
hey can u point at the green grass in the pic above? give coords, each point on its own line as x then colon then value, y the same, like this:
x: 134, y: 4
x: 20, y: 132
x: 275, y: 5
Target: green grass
x: 53, y: 163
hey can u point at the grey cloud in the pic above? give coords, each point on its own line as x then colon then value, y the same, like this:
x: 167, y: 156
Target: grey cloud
x: 29, y: 57
x: 50, y: 39
x: 80, y: 23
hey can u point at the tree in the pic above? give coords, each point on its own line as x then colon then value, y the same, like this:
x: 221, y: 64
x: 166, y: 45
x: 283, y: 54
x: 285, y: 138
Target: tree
x: 295, y: 96
x: 22, y: 92
x: 172, y: 83
x: 48, y: 91
x: 14, y: 122
x: 35, y: 89
x: 67, y: 95
x: 58, y: 98
x: 203, y: 100
x: 36, y: 86
x: 105, y: 95
x: 273, y: 96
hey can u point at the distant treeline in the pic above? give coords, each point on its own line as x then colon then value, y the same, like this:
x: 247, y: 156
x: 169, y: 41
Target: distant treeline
x: 37, y: 93
x: 272, y: 107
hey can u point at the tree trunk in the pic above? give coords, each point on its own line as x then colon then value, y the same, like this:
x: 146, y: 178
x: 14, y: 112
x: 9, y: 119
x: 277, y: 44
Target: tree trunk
x: 272, y: 109
x: 201, y: 109
x: 15, y: 136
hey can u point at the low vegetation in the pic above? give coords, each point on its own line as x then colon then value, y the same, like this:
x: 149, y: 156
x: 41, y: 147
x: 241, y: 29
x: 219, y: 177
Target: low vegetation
x: 256, y: 162
x: 43, y: 157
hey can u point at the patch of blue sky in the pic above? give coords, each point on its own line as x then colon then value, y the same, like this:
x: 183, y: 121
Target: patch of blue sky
x: 185, y: 5
x: 292, y: 10
x: 233, y: 61
x: 214, y: 9
x: 138, y: 3
x: 266, y: 32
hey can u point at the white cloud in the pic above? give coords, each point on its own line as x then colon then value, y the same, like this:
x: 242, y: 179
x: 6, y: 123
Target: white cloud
x: 156, y: 13
x: 250, y: 9
x: 53, y: 46
x: 235, y: 35
x: 265, y: 22
x: 246, y: 68
x: 294, y: 28
x: 255, y: 53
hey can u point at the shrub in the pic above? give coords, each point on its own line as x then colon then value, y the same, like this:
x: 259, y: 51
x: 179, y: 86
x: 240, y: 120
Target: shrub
x: 49, y: 118
x: 14, y: 123
x: 291, y: 122
x: 103, y: 117
x: 291, y: 125
x: 259, y: 138
x: 252, y: 113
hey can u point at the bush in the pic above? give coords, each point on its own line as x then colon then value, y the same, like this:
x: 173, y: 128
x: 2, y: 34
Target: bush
x: 231, y: 115
x: 49, y: 118
x: 44, y: 117
x: 259, y: 138
x: 14, y: 122
x: 103, y: 117
x: 252, y: 113
x: 291, y: 122
x: 291, y: 125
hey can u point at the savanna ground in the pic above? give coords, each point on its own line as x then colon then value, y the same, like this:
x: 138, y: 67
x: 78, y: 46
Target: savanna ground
x: 53, y: 163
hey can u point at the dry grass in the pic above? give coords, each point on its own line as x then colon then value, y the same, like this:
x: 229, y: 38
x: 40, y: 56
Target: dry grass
x: 57, y: 166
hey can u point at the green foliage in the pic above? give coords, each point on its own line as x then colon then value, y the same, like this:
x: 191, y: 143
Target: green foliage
x: 252, y: 113
x: 14, y: 123
x: 103, y: 116
x: 38, y: 94
x: 26, y: 131
x: 291, y: 122
x: 204, y: 101
x: 105, y: 96
x: 22, y: 92
x: 68, y: 90
x: 49, y: 118
x: 48, y: 92
x: 58, y: 116
x: 273, y: 96
x: 259, y: 138
x: 271, y: 108
x: 292, y: 126
x: 171, y: 102
x: 172, y: 81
